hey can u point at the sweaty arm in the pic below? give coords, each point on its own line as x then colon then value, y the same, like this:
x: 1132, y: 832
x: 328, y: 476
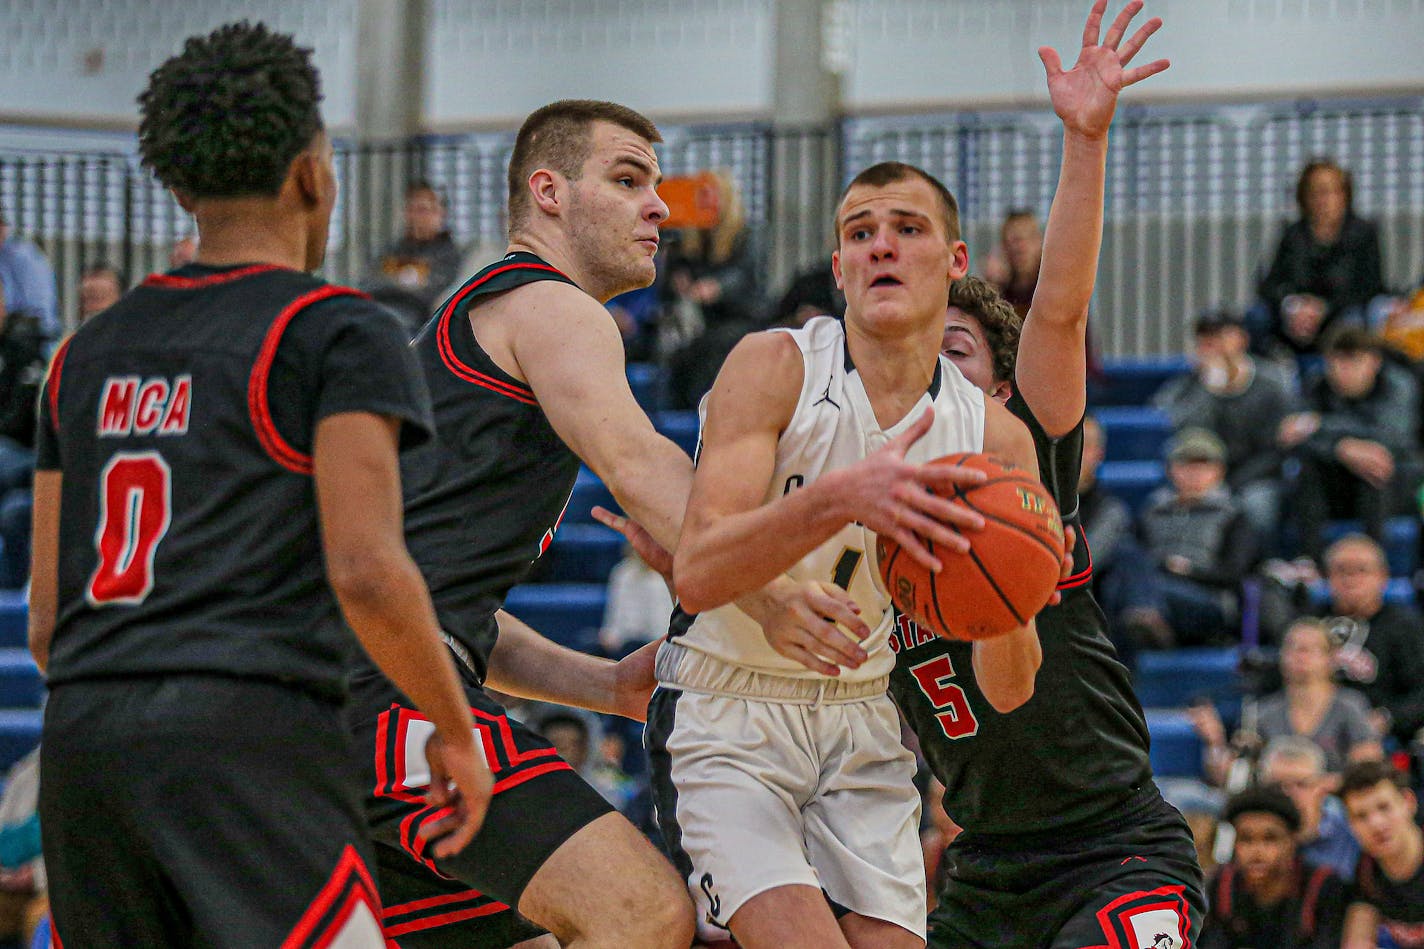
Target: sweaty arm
x: 1005, y: 667
x: 44, y: 565
x: 570, y: 352
x: 1053, y: 353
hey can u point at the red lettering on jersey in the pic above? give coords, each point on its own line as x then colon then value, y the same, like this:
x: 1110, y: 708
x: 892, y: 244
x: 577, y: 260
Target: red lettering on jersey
x: 151, y: 400
x: 117, y: 405
x: 175, y: 418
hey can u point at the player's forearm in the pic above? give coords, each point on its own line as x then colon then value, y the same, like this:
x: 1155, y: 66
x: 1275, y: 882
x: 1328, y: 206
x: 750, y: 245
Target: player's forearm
x: 651, y: 483
x: 723, y: 559
x: 389, y: 609
x: 526, y: 664
x: 1074, y: 233
x: 1005, y: 667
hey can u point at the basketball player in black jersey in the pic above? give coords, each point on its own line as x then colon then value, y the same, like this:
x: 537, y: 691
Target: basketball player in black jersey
x: 1066, y: 842
x: 526, y: 372
x: 217, y: 484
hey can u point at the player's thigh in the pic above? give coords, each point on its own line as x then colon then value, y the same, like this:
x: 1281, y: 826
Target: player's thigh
x: 605, y: 879
x: 728, y: 776
x: 863, y: 932
x: 787, y: 917
x: 862, y: 826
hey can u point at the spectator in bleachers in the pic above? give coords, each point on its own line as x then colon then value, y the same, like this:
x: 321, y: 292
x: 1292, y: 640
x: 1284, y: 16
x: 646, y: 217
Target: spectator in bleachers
x: 23, y: 900
x: 1327, y: 266
x: 1381, y: 649
x: 100, y: 286
x: 1242, y: 401
x: 22, y: 369
x: 1356, y: 440
x: 1296, y: 765
x: 1198, y: 545
x: 1108, y: 532
x: 1013, y: 265
x: 1269, y: 895
x: 578, y: 737
x: 411, y: 274
x: 27, y: 279
x: 1310, y: 703
x: 1389, y: 880
x: 711, y: 296
x: 636, y: 313
x: 638, y: 608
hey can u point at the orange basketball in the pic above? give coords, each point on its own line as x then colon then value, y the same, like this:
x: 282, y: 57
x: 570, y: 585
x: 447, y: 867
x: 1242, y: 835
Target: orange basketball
x: 1008, y: 574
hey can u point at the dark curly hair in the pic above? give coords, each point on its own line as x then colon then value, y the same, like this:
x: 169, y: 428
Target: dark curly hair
x: 225, y: 117
x: 999, y: 321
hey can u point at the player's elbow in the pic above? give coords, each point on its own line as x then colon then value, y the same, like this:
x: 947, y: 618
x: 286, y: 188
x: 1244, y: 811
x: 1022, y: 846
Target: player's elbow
x: 40, y: 634
x: 1010, y: 695
x: 694, y: 594
x: 366, y: 580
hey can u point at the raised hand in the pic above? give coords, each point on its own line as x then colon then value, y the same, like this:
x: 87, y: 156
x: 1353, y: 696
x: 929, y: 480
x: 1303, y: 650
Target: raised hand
x: 1085, y: 96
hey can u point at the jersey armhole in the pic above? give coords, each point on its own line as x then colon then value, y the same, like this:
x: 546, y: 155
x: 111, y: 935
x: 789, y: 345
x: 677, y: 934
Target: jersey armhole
x: 56, y: 367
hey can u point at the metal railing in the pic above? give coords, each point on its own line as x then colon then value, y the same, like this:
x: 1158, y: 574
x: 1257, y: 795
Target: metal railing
x: 1195, y: 197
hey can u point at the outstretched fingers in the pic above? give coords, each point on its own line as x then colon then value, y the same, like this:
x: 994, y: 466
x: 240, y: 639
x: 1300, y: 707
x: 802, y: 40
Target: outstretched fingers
x: 1052, y: 62
x: 1120, y: 25
x: 1134, y: 44
x: 1094, y: 24
x: 1139, y: 73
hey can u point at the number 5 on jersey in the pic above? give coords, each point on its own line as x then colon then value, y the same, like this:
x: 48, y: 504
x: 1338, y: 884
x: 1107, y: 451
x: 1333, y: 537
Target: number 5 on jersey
x: 135, y: 507
x: 951, y: 705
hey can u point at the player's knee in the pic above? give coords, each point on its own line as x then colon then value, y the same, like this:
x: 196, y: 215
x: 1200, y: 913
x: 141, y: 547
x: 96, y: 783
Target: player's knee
x: 664, y: 915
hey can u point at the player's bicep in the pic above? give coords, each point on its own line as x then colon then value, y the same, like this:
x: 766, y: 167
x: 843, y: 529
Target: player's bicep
x: 1008, y: 438
x: 1051, y: 374
x: 750, y: 404
x: 571, y: 354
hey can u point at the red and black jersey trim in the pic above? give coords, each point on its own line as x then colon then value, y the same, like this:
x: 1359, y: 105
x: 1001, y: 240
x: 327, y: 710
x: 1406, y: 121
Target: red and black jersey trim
x: 165, y: 281
x: 56, y: 367
x: 510, y: 765
x: 1085, y: 576
x: 1116, y: 918
x: 258, y: 405
x: 443, y: 341
x: 349, y: 888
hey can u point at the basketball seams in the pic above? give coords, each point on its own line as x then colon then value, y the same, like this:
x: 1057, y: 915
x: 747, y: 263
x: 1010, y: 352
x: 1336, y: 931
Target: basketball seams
x: 1018, y: 528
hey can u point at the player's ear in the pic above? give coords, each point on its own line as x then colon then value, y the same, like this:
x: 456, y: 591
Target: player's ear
x: 1001, y: 392
x: 547, y: 188
x: 836, y: 268
x: 305, y: 176
x: 959, y: 260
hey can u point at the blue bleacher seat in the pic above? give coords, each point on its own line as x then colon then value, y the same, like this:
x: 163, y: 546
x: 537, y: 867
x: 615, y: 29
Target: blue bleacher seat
x: 568, y: 613
x: 19, y: 734
x: 1133, y: 481
x: 1134, y: 433
x: 14, y: 618
x: 1176, y: 749
x: 21, y: 685
x: 681, y: 427
x: 1179, y: 676
x: 1401, y: 541
x: 588, y: 492
x: 582, y: 553
x: 1135, y: 381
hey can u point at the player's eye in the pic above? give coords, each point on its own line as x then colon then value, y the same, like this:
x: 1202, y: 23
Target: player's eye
x: 909, y: 229
x: 626, y: 181
x: 859, y: 234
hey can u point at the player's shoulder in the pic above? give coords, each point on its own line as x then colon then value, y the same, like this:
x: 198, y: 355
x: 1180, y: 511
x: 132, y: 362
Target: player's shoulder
x: 777, y: 351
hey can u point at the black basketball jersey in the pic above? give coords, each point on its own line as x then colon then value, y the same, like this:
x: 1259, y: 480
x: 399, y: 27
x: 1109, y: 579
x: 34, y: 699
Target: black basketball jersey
x: 1077, y: 749
x: 182, y: 421
x: 1400, y: 902
x: 484, y: 497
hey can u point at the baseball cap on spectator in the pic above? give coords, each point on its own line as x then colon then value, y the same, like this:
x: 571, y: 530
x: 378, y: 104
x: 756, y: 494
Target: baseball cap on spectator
x: 1195, y: 444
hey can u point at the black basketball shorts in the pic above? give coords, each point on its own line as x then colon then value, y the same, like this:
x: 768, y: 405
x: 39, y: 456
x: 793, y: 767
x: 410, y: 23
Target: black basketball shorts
x: 1134, y: 885
x: 203, y: 810
x: 539, y: 802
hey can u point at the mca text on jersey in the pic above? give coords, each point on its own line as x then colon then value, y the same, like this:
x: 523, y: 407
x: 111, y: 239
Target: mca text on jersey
x: 131, y: 406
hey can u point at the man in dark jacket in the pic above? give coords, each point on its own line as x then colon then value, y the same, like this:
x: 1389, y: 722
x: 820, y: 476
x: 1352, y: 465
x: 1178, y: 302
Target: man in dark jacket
x: 22, y: 369
x: 1199, y: 546
x: 413, y: 273
x: 1356, y: 440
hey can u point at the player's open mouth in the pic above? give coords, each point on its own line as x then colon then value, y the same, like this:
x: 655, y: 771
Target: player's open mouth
x: 885, y: 281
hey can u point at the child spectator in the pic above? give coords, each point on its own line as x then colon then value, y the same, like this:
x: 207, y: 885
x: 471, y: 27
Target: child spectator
x: 1389, y: 880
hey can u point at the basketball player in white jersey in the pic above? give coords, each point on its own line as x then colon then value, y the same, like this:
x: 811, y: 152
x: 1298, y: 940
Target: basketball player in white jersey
x: 785, y: 795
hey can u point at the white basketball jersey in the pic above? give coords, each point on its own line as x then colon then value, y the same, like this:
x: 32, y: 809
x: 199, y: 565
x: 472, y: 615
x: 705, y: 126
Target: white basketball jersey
x: 833, y: 427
